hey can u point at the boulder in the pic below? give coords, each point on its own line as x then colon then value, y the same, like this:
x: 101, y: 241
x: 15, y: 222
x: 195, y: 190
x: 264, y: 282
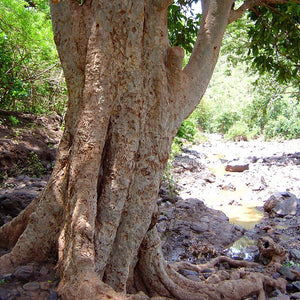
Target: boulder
x: 282, y: 204
x: 192, y: 226
x: 24, y: 273
x: 236, y: 166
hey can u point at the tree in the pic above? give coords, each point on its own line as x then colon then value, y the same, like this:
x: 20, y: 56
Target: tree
x: 128, y: 95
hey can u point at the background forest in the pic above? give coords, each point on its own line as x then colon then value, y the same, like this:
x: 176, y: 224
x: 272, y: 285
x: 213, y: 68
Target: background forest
x: 254, y: 90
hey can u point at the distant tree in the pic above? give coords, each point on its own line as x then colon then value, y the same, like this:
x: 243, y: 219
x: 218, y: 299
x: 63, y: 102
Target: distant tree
x: 128, y: 96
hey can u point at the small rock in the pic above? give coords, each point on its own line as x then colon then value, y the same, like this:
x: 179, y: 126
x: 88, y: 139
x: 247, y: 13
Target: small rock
x: 21, y: 186
x: 210, y: 178
x: 296, y: 284
x: 162, y: 218
x: 271, y: 202
x: 206, y: 273
x: 286, y: 272
x: 290, y: 288
x: 206, y: 270
x: 254, y: 159
x: 228, y: 187
x: 159, y: 201
x: 282, y: 204
x: 199, y: 227
x: 53, y: 295
x: 287, y: 207
x: 295, y: 295
x: 295, y: 254
x: 24, y: 273
x: 7, y: 277
x: 236, y: 167
x: 20, y: 177
x: 185, y: 272
x: 280, y: 297
x: 31, y: 286
x: 45, y: 285
x: 276, y: 275
x: 44, y: 270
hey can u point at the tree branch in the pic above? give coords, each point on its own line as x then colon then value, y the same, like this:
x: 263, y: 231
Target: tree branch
x: 37, y: 76
x: 197, y: 73
x: 248, y: 4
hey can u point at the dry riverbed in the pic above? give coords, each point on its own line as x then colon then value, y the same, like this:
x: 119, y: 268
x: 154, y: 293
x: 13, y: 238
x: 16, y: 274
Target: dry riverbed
x: 274, y: 167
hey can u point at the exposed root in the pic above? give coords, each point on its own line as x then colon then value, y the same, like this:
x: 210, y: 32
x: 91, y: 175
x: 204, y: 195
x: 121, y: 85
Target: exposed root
x: 221, y: 259
x: 160, y: 276
x: 6, y: 263
x: 276, y: 253
x: 10, y: 232
x: 87, y: 285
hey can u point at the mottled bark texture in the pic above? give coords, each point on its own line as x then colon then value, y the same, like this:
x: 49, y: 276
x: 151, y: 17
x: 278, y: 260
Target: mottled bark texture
x: 128, y: 95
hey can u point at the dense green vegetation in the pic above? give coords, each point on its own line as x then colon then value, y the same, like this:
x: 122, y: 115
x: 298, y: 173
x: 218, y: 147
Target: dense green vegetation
x: 254, y: 91
x: 243, y: 107
x: 31, y: 79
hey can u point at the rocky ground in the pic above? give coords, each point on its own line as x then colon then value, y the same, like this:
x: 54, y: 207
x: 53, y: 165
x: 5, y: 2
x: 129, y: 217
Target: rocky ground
x: 231, y: 194
x: 215, y: 212
x: 258, y: 173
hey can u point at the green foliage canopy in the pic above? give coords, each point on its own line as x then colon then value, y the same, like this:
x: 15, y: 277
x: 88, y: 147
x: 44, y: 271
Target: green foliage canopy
x: 183, y: 24
x: 275, y: 40
x: 267, y: 38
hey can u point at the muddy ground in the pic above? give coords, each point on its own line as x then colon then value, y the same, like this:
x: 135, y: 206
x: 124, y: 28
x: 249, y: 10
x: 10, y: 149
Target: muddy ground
x: 212, y: 212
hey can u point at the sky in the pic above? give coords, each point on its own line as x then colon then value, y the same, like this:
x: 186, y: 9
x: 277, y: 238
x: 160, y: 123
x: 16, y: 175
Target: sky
x: 197, y: 7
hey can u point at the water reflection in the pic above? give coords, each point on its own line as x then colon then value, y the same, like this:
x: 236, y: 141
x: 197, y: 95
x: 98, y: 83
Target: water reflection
x: 244, y: 247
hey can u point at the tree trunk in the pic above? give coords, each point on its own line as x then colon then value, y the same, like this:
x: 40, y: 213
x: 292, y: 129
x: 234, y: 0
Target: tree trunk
x: 128, y: 96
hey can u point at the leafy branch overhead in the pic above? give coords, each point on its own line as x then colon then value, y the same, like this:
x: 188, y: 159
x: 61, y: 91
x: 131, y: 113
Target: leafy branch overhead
x: 265, y: 34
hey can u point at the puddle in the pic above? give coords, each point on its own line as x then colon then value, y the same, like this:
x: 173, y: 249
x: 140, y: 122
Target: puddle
x: 216, y: 166
x: 232, y: 196
x: 237, y: 205
x: 244, y: 216
x: 218, y: 170
x: 244, y: 247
